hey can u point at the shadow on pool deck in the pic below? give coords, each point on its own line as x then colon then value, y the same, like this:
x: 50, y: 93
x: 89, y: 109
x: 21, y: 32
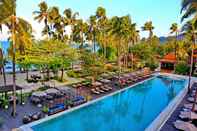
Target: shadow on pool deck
x: 11, y: 122
x: 169, y: 126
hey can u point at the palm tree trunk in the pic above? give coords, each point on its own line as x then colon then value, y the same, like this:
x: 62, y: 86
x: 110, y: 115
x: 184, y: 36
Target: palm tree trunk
x: 105, y: 50
x: 27, y: 74
x: 14, y: 65
x: 62, y: 74
x: 14, y: 83
x: 81, y: 40
x: 48, y: 73
x: 191, y: 68
x: 150, y: 36
x: 119, y: 61
x: 94, y: 43
x: 132, y: 61
x: 175, y: 49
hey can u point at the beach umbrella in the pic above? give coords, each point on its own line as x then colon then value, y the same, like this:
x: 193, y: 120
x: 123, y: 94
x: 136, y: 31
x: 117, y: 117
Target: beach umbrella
x: 97, y: 83
x: 39, y: 94
x: 126, y: 75
x: 52, y: 91
x: 105, y: 81
x: 63, y: 89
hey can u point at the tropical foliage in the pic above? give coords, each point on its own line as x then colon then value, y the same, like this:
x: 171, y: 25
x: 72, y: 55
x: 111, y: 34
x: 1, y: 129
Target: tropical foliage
x: 92, y: 44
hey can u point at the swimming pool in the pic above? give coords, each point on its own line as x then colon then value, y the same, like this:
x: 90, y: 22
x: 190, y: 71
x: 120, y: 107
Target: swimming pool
x: 132, y: 109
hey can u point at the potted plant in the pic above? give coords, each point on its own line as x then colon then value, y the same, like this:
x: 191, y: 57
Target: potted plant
x: 23, y: 99
x: 45, y: 109
x: 68, y: 103
x: 5, y: 103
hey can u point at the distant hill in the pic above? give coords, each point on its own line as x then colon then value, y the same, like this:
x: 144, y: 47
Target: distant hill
x: 163, y: 39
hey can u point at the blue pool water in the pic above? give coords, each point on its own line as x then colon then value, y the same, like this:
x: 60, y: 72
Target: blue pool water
x: 130, y: 110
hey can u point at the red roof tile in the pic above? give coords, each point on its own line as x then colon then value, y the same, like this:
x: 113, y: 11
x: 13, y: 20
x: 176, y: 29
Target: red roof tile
x: 171, y: 58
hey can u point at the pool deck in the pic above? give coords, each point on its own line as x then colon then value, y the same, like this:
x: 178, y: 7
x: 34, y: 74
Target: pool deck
x: 98, y: 98
x: 11, y: 123
x: 168, y: 126
x: 23, y: 110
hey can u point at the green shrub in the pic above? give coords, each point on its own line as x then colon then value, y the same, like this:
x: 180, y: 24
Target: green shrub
x: 5, y: 103
x: 45, y: 109
x: 72, y: 74
x: 68, y: 102
x: 182, y: 68
x: 152, y: 64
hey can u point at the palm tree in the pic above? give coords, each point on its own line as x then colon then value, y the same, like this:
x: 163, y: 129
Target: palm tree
x: 133, y: 37
x: 56, y: 23
x: 148, y: 27
x: 189, y: 9
x: 102, y: 26
x: 70, y: 19
x: 174, y: 29
x: 16, y: 26
x: 79, y: 31
x: 190, y: 28
x: 42, y: 15
x: 119, y: 30
x: 91, y: 34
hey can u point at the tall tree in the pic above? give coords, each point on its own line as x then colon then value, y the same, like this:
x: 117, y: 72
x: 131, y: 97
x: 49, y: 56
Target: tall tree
x: 57, y: 24
x: 119, y: 30
x: 190, y: 27
x: 42, y: 15
x: 189, y: 10
x: 79, y: 31
x: 92, y: 29
x: 174, y: 29
x: 102, y: 27
x: 148, y: 26
x: 16, y: 26
x: 70, y: 19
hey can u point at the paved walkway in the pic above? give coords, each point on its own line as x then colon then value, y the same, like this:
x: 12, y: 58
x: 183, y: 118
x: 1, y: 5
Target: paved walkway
x: 20, y: 80
x: 10, y: 122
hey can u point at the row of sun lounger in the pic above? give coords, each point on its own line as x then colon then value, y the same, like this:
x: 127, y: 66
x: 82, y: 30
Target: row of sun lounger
x: 106, y: 84
x: 31, y: 117
x: 188, y: 118
x: 101, y: 89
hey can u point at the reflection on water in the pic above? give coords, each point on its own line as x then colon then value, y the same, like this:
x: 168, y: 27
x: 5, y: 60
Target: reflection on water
x: 133, y: 109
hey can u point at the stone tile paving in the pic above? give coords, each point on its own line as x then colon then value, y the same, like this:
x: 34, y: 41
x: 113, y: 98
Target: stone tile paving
x: 11, y: 122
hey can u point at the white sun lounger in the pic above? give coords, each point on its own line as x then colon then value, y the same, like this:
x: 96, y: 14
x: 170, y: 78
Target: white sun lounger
x: 188, y: 115
x: 190, y: 99
x: 189, y: 106
x: 185, y: 126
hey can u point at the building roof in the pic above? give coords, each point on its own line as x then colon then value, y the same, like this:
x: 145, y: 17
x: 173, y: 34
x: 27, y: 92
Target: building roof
x: 169, y: 58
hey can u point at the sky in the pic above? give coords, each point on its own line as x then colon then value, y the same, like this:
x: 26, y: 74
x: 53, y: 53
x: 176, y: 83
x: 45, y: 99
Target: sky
x: 161, y: 12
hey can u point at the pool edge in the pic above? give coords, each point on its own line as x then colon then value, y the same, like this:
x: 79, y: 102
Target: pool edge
x: 28, y: 127
x: 161, y: 119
